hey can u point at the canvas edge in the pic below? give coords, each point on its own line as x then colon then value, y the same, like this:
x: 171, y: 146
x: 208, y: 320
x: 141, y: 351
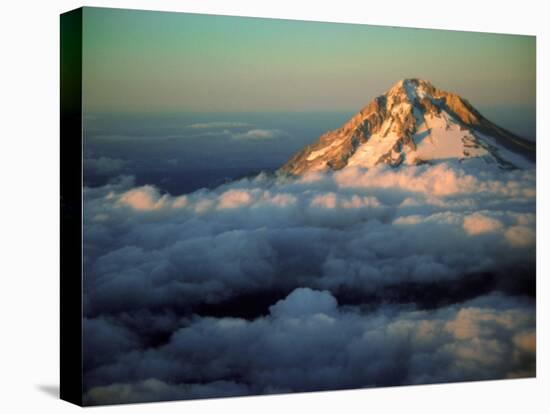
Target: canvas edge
x: 71, y: 206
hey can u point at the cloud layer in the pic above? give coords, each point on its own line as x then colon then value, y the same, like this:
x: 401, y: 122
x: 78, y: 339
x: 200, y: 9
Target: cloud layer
x: 349, y: 279
x: 308, y: 343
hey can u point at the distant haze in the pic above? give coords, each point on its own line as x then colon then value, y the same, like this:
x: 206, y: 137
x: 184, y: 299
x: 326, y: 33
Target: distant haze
x: 142, y: 61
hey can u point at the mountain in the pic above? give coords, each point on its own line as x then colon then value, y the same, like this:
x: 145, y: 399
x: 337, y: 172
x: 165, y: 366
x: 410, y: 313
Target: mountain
x: 414, y: 123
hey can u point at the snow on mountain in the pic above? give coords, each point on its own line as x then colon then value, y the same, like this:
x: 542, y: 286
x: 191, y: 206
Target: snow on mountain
x: 414, y: 123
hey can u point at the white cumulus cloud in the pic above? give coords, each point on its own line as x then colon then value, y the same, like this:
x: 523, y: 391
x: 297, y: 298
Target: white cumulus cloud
x: 275, y: 284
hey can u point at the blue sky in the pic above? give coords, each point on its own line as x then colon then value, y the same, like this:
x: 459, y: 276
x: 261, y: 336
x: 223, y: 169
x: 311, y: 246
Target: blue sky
x: 144, y: 61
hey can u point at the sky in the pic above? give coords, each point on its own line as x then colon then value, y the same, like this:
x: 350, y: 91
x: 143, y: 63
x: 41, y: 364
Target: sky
x: 145, y: 61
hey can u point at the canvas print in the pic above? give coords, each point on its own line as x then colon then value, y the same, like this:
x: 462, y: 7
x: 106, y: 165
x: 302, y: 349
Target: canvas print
x: 275, y: 206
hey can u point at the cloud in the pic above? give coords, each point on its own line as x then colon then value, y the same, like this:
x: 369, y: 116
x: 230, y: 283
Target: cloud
x: 234, y: 199
x: 147, y: 198
x: 440, y: 180
x: 236, y: 130
x: 304, y: 301
x: 277, y: 233
x: 106, y: 341
x: 308, y: 343
x: 104, y: 165
x: 143, y: 198
x: 260, y: 134
x: 478, y: 224
x: 275, y: 284
x: 521, y: 236
x: 155, y: 390
x: 220, y: 124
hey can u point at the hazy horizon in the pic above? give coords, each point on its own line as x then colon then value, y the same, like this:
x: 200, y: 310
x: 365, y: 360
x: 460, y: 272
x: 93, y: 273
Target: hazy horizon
x: 182, y: 152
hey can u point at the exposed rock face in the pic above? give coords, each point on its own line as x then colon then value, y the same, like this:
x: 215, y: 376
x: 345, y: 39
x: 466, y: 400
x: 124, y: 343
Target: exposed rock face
x: 413, y: 123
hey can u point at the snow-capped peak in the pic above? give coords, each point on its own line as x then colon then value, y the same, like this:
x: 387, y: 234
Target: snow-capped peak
x: 414, y: 123
x: 414, y: 88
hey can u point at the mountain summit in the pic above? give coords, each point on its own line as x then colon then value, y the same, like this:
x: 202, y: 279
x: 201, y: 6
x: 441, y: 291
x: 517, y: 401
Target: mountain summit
x: 414, y: 123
